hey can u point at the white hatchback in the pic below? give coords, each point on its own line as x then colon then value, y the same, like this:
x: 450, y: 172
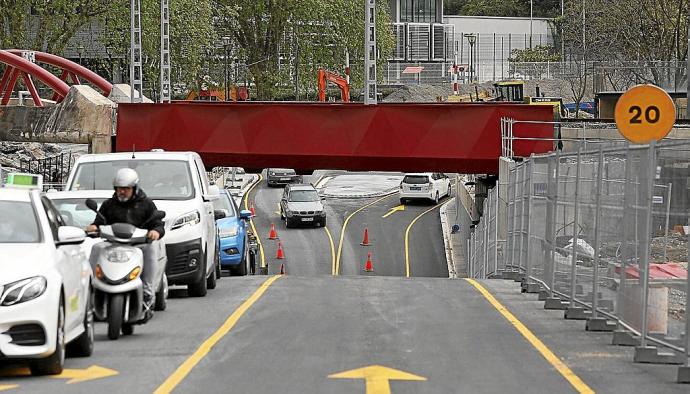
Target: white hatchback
x: 426, y: 185
x: 45, y: 284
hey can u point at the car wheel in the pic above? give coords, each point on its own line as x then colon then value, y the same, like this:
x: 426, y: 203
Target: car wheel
x: 449, y: 191
x: 211, y: 281
x: 53, y: 364
x: 162, y: 295
x: 116, y: 306
x: 287, y: 222
x: 402, y: 201
x: 436, y: 198
x: 199, y: 289
x: 219, y: 272
x: 241, y: 269
x: 83, y: 345
x: 252, y: 263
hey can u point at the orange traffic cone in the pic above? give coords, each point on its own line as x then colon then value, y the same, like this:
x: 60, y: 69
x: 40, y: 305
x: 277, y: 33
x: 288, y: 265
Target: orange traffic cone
x: 273, y: 234
x: 251, y: 209
x: 282, y: 269
x: 365, y: 241
x: 369, y: 266
x: 280, y: 254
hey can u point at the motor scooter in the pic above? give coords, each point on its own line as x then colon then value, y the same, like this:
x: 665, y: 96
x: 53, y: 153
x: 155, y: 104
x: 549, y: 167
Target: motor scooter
x: 117, y: 264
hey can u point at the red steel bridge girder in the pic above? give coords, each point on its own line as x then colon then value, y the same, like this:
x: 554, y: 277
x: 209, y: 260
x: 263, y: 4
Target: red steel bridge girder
x: 446, y: 137
x: 17, y: 65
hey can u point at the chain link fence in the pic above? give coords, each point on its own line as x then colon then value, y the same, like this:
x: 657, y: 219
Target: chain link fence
x: 601, y: 233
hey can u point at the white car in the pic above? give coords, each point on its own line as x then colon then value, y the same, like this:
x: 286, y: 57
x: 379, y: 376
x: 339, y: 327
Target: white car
x: 425, y: 185
x: 45, y: 284
x: 178, y: 184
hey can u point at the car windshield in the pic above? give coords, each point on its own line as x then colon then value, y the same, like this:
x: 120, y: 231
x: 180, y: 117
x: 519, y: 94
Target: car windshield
x: 416, y: 179
x: 304, y: 196
x: 160, y: 179
x: 225, y: 204
x: 75, y: 212
x: 19, y: 223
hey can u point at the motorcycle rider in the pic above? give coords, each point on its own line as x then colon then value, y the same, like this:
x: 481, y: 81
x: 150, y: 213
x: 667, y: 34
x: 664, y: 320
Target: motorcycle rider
x: 129, y: 204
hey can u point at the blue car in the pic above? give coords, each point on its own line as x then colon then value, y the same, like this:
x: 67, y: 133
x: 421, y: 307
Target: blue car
x: 232, y: 235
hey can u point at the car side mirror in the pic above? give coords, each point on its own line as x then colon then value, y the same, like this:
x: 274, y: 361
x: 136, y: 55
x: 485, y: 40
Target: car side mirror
x: 219, y: 214
x: 69, y: 235
x: 245, y: 214
x: 91, y: 204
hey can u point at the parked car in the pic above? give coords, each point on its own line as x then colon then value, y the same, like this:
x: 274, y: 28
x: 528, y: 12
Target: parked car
x: 45, y: 286
x: 282, y: 176
x: 232, y: 234
x: 178, y: 185
x: 301, y: 204
x: 427, y: 185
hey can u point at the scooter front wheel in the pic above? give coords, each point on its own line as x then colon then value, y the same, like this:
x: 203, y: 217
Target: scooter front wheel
x: 116, y: 306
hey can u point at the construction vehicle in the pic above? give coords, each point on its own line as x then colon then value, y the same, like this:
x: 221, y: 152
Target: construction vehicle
x: 237, y: 93
x: 513, y: 91
x: 342, y: 83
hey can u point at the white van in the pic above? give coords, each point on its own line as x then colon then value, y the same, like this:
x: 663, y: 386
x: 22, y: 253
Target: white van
x: 178, y: 184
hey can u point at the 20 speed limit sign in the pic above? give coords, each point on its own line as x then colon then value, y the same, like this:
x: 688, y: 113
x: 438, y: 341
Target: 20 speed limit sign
x: 645, y: 113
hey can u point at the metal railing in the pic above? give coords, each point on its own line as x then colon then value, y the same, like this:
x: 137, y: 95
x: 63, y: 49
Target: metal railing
x: 601, y: 233
x: 54, y: 169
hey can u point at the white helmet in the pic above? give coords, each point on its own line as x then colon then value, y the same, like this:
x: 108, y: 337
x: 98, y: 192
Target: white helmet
x: 126, y: 177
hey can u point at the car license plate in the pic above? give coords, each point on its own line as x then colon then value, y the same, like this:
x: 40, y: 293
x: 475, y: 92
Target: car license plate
x: 284, y: 179
x: 307, y: 219
x: 415, y: 188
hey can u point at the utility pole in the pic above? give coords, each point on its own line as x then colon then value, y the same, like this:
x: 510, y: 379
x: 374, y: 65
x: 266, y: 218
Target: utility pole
x: 370, y: 53
x: 531, y: 13
x: 165, y: 51
x: 562, y: 32
x: 136, y: 78
x: 687, y: 71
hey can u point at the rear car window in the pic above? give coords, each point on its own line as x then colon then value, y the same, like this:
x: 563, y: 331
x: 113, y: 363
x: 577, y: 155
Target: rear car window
x: 416, y: 179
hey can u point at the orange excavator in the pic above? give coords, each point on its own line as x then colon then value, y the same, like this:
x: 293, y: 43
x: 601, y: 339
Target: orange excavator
x: 327, y: 76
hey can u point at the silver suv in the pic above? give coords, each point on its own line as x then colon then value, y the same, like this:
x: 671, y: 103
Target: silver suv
x: 301, y: 204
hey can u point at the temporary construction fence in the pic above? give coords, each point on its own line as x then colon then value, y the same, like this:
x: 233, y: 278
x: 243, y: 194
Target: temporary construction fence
x: 601, y: 233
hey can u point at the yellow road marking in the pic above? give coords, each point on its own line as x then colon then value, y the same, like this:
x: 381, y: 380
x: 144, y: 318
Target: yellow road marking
x: 330, y: 240
x: 4, y: 387
x: 251, y: 222
x: 563, y: 369
x: 183, y: 370
x: 377, y: 377
x: 394, y: 210
x: 82, y: 375
x: 342, y: 232
x: 407, y: 238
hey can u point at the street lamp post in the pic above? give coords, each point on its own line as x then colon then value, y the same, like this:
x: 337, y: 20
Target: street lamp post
x: 471, y: 38
x: 80, y: 50
x: 226, y: 45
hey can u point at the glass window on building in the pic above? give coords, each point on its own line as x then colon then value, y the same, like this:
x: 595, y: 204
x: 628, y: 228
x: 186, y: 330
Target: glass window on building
x: 418, y: 11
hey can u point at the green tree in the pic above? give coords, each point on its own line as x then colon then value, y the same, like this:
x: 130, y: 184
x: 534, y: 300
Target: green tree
x: 507, y: 8
x: 277, y: 36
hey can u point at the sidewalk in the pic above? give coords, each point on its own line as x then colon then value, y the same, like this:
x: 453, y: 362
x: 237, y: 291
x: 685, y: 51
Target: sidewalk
x: 456, y: 244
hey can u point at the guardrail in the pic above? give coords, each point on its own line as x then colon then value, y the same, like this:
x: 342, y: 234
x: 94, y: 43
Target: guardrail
x: 601, y: 233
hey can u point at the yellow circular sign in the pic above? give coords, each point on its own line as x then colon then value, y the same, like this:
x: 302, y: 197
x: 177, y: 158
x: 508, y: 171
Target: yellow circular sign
x: 645, y: 113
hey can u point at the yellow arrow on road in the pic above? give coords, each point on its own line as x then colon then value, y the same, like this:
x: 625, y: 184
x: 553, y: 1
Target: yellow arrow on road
x: 4, y: 387
x: 377, y: 377
x: 82, y: 375
x: 394, y: 210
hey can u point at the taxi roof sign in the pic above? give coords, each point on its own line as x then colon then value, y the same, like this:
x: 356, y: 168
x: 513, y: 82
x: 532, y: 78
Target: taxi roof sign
x: 28, y: 181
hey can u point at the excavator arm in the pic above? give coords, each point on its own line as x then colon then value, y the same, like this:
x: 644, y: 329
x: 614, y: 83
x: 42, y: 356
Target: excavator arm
x: 327, y: 76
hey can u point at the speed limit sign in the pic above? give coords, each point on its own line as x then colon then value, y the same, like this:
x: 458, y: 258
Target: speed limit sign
x: 645, y: 113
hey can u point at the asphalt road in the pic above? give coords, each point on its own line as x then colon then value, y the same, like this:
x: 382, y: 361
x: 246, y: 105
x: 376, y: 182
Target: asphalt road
x: 311, y: 332
x: 302, y: 330
x: 308, y: 250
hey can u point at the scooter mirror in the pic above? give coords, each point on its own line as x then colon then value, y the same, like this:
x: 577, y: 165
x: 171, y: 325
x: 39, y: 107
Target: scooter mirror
x: 91, y: 204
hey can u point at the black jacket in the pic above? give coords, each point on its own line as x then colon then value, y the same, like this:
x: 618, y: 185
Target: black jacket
x: 135, y: 211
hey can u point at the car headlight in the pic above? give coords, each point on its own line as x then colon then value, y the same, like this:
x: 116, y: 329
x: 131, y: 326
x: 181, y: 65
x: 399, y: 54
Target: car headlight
x: 228, y: 232
x: 190, y: 218
x: 321, y: 213
x: 288, y: 213
x: 23, y: 290
x: 117, y: 255
x: 271, y: 173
